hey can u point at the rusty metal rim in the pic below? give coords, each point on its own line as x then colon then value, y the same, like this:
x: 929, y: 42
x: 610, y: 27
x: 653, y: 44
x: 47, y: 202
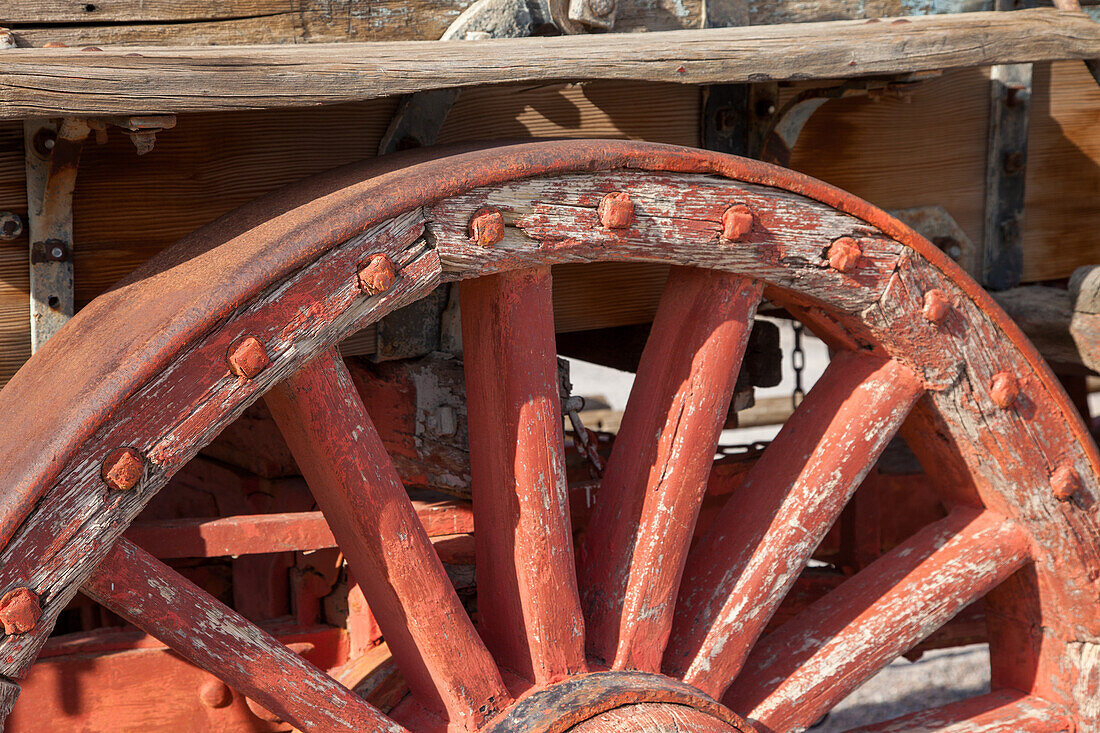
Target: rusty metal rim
x: 559, y: 707
x: 60, y: 399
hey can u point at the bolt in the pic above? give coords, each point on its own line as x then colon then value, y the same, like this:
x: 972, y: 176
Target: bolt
x: 954, y: 252
x: 616, y: 210
x: 1017, y: 95
x: 1013, y: 163
x: 261, y: 712
x: 844, y: 254
x: 736, y: 222
x: 54, y: 44
x: 122, y: 469
x: 19, y: 610
x: 936, y: 306
x: 144, y: 140
x: 248, y: 357
x: 601, y: 8
x: 11, y: 226
x: 1004, y: 389
x: 377, y: 275
x: 487, y: 227
x: 1065, y: 482
x: 215, y: 694
x: 43, y: 141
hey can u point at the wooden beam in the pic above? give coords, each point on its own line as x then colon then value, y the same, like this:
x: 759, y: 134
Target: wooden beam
x: 44, y: 82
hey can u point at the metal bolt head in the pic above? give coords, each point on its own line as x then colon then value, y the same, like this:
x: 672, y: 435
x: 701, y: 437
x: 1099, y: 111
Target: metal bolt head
x: 844, y: 254
x: 377, y: 275
x: 247, y: 357
x: 19, y: 610
x: 487, y: 227
x: 122, y: 469
x: 601, y: 8
x: 215, y: 694
x: 616, y: 210
x: 737, y: 221
x: 1065, y: 482
x: 936, y: 306
x: 11, y: 226
x: 1013, y: 162
x: 1004, y: 389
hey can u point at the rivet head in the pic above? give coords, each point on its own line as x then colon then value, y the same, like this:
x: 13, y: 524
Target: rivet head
x: 1004, y: 389
x: 616, y: 210
x: 377, y: 275
x: 247, y: 357
x: 1065, y: 482
x: 11, y: 226
x: 936, y: 306
x: 122, y: 469
x: 737, y: 221
x: 19, y: 610
x: 844, y: 254
x: 487, y: 227
x: 261, y: 712
x: 215, y: 694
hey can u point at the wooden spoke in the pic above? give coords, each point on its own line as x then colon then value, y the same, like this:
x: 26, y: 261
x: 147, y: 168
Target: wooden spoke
x: 529, y: 608
x: 638, y: 536
x: 760, y: 541
x: 357, y: 488
x: 800, y: 670
x: 152, y: 596
x: 1005, y: 711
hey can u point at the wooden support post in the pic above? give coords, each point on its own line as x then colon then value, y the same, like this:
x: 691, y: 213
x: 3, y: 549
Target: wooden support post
x: 1005, y: 168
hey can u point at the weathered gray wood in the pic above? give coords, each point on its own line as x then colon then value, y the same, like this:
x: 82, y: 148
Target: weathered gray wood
x: 167, y: 80
x: 9, y: 693
x: 183, y: 23
x: 1063, y: 324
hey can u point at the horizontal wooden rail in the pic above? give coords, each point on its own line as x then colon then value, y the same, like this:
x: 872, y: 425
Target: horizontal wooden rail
x: 252, y: 534
x: 42, y: 82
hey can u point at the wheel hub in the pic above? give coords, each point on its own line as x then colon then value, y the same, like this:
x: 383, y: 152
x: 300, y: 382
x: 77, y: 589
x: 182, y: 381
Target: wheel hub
x: 599, y: 700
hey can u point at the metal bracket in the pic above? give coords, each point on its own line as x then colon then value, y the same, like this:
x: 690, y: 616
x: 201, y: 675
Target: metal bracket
x: 787, y: 124
x: 52, y: 154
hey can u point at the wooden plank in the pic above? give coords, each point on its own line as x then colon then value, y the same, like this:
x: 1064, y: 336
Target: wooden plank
x: 180, y: 23
x: 121, y: 80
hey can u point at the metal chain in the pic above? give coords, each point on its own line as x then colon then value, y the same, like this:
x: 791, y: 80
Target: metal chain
x: 798, y: 362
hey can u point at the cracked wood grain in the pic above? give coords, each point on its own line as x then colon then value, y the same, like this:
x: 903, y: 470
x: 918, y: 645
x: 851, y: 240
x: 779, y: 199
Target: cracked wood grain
x: 124, y: 80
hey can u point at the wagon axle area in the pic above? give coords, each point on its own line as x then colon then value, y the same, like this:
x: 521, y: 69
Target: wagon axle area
x: 652, y: 616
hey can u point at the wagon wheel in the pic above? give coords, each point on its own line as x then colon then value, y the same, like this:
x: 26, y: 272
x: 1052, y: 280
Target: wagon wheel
x: 649, y: 630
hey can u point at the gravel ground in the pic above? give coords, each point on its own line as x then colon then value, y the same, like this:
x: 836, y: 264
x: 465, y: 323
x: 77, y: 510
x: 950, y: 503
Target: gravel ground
x: 937, y: 678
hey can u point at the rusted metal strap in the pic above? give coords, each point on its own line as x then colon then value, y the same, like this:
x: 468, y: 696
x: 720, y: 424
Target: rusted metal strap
x: 52, y: 155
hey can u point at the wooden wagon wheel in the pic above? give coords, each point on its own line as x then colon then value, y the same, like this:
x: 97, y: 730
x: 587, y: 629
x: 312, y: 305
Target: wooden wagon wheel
x: 648, y: 630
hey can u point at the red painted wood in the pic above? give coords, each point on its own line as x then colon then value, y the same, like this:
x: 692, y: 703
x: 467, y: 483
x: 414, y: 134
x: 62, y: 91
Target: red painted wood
x: 771, y: 525
x: 152, y: 596
x: 638, y: 537
x: 800, y: 670
x: 281, y: 532
x: 342, y: 458
x: 528, y: 605
x: 1006, y: 711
